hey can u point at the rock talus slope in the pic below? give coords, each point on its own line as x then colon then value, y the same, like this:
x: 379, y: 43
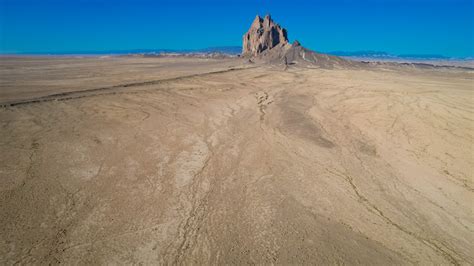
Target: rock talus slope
x: 268, y: 41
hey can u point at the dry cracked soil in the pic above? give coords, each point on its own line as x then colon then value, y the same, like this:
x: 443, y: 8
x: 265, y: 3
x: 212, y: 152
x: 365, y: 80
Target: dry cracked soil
x: 181, y: 161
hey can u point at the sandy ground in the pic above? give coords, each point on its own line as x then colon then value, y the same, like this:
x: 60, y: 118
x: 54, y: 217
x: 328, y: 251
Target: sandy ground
x: 24, y: 78
x: 247, y: 165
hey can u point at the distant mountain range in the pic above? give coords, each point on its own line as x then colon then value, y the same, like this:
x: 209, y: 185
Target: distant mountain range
x: 231, y: 50
x: 236, y: 50
x: 385, y: 55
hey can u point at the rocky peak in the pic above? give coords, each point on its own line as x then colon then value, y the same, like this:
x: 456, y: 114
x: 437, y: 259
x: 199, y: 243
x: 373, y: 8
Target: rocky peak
x: 267, y: 42
x: 264, y: 34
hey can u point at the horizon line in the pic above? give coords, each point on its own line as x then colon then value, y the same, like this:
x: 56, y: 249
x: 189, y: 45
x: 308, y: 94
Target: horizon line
x: 343, y: 53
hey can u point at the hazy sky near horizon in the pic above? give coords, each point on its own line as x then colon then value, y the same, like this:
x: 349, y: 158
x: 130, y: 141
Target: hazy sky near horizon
x: 444, y: 27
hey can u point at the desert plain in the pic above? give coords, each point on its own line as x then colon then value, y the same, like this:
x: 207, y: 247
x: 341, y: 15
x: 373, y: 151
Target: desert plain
x: 132, y: 160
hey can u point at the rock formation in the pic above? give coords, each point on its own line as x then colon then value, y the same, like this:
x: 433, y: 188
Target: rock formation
x: 268, y: 42
x: 264, y: 34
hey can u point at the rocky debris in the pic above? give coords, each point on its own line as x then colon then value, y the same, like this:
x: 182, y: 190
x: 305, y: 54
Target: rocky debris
x: 264, y: 34
x: 301, y: 56
x: 296, y: 43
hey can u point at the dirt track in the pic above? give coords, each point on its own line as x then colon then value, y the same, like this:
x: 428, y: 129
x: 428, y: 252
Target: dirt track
x: 249, y: 166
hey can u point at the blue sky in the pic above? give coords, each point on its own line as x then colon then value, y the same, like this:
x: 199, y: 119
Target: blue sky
x: 444, y: 27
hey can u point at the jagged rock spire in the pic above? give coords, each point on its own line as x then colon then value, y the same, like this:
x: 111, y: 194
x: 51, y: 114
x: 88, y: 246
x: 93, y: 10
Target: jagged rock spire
x: 264, y: 34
